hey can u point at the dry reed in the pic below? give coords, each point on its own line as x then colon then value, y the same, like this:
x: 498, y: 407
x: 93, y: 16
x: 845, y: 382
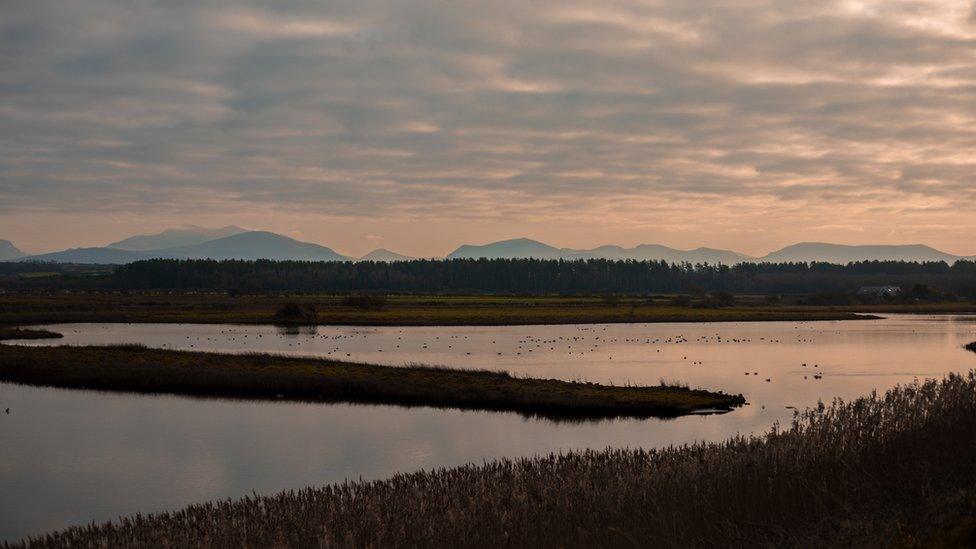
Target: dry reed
x: 874, y: 471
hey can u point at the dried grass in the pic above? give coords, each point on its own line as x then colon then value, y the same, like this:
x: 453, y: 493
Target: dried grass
x: 856, y: 473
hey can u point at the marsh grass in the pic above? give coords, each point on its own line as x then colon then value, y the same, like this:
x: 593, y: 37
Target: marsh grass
x: 376, y: 310
x: 891, y: 469
x: 139, y: 369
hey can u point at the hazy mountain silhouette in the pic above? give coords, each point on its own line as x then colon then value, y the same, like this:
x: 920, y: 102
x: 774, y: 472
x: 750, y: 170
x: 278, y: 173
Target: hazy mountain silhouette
x: 508, y: 249
x: 243, y: 244
x: 657, y: 252
x: 256, y: 245
x: 382, y: 254
x: 8, y: 251
x: 838, y: 253
x: 103, y: 256
x: 246, y: 245
x: 526, y: 248
x: 171, y: 238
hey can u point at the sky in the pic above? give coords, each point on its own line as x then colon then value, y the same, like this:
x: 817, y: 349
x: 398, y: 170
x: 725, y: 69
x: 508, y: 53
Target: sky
x: 419, y: 125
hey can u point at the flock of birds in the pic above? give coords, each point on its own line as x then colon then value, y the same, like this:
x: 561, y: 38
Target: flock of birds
x: 490, y: 347
x: 592, y: 343
x: 353, y: 344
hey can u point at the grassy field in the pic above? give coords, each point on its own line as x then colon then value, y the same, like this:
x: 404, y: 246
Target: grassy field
x: 24, y: 333
x: 396, y: 311
x: 885, y: 470
x: 143, y: 370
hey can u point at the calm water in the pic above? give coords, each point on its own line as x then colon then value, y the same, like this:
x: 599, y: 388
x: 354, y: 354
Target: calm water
x: 69, y: 457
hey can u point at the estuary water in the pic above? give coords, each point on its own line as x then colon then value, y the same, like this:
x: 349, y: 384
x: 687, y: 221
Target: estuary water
x: 71, y: 457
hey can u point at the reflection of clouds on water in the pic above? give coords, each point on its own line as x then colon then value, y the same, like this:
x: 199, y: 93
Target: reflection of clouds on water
x: 74, y: 456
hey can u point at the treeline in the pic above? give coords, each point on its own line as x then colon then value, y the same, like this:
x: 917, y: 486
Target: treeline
x: 535, y: 276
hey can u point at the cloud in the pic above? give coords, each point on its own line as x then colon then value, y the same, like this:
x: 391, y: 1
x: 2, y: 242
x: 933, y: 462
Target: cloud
x: 501, y: 110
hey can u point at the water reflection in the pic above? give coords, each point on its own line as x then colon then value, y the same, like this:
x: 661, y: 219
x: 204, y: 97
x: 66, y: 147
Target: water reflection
x: 70, y: 457
x: 297, y: 329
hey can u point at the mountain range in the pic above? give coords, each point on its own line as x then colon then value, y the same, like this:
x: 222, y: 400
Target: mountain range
x: 801, y: 252
x: 232, y: 242
x: 527, y: 248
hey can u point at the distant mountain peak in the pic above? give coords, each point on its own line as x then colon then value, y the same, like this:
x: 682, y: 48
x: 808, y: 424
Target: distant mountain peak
x: 248, y: 245
x: 847, y: 253
x: 256, y: 245
x: 9, y: 252
x: 384, y: 255
x: 171, y: 238
x: 507, y: 249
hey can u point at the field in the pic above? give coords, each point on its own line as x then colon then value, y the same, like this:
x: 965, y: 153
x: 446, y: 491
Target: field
x: 19, y: 309
x: 143, y: 370
x: 896, y: 469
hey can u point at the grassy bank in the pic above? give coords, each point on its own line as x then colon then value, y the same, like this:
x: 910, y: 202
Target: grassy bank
x: 897, y: 469
x: 143, y: 370
x: 25, y: 333
x: 394, y: 311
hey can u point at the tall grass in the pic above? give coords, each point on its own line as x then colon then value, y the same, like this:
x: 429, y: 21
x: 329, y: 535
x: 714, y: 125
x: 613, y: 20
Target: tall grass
x: 882, y: 469
x: 139, y: 369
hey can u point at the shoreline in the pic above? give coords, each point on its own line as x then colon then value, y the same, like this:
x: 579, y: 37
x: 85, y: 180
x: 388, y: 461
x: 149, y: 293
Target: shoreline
x: 18, y: 333
x: 138, y: 369
x: 461, y: 322
x: 814, y: 483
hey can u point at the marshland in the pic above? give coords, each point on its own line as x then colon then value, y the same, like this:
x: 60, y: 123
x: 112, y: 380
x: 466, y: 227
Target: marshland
x: 846, y: 474
x: 400, y: 310
x: 87, y: 455
x: 139, y: 369
x: 666, y: 273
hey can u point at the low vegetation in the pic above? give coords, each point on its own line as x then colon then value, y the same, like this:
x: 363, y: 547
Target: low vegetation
x: 895, y: 469
x: 418, y: 310
x: 26, y: 333
x: 972, y: 347
x: 139, y: 369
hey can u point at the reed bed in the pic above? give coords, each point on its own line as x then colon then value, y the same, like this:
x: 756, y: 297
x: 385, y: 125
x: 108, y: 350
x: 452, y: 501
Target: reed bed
x: 897, y: 468
x: 139, y: 369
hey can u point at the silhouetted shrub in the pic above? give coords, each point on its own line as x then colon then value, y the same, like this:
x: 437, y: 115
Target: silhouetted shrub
x: 294, y: 311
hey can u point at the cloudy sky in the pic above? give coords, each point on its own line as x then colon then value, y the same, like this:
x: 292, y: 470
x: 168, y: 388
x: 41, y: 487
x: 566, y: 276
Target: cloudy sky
x: 417, y: 125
